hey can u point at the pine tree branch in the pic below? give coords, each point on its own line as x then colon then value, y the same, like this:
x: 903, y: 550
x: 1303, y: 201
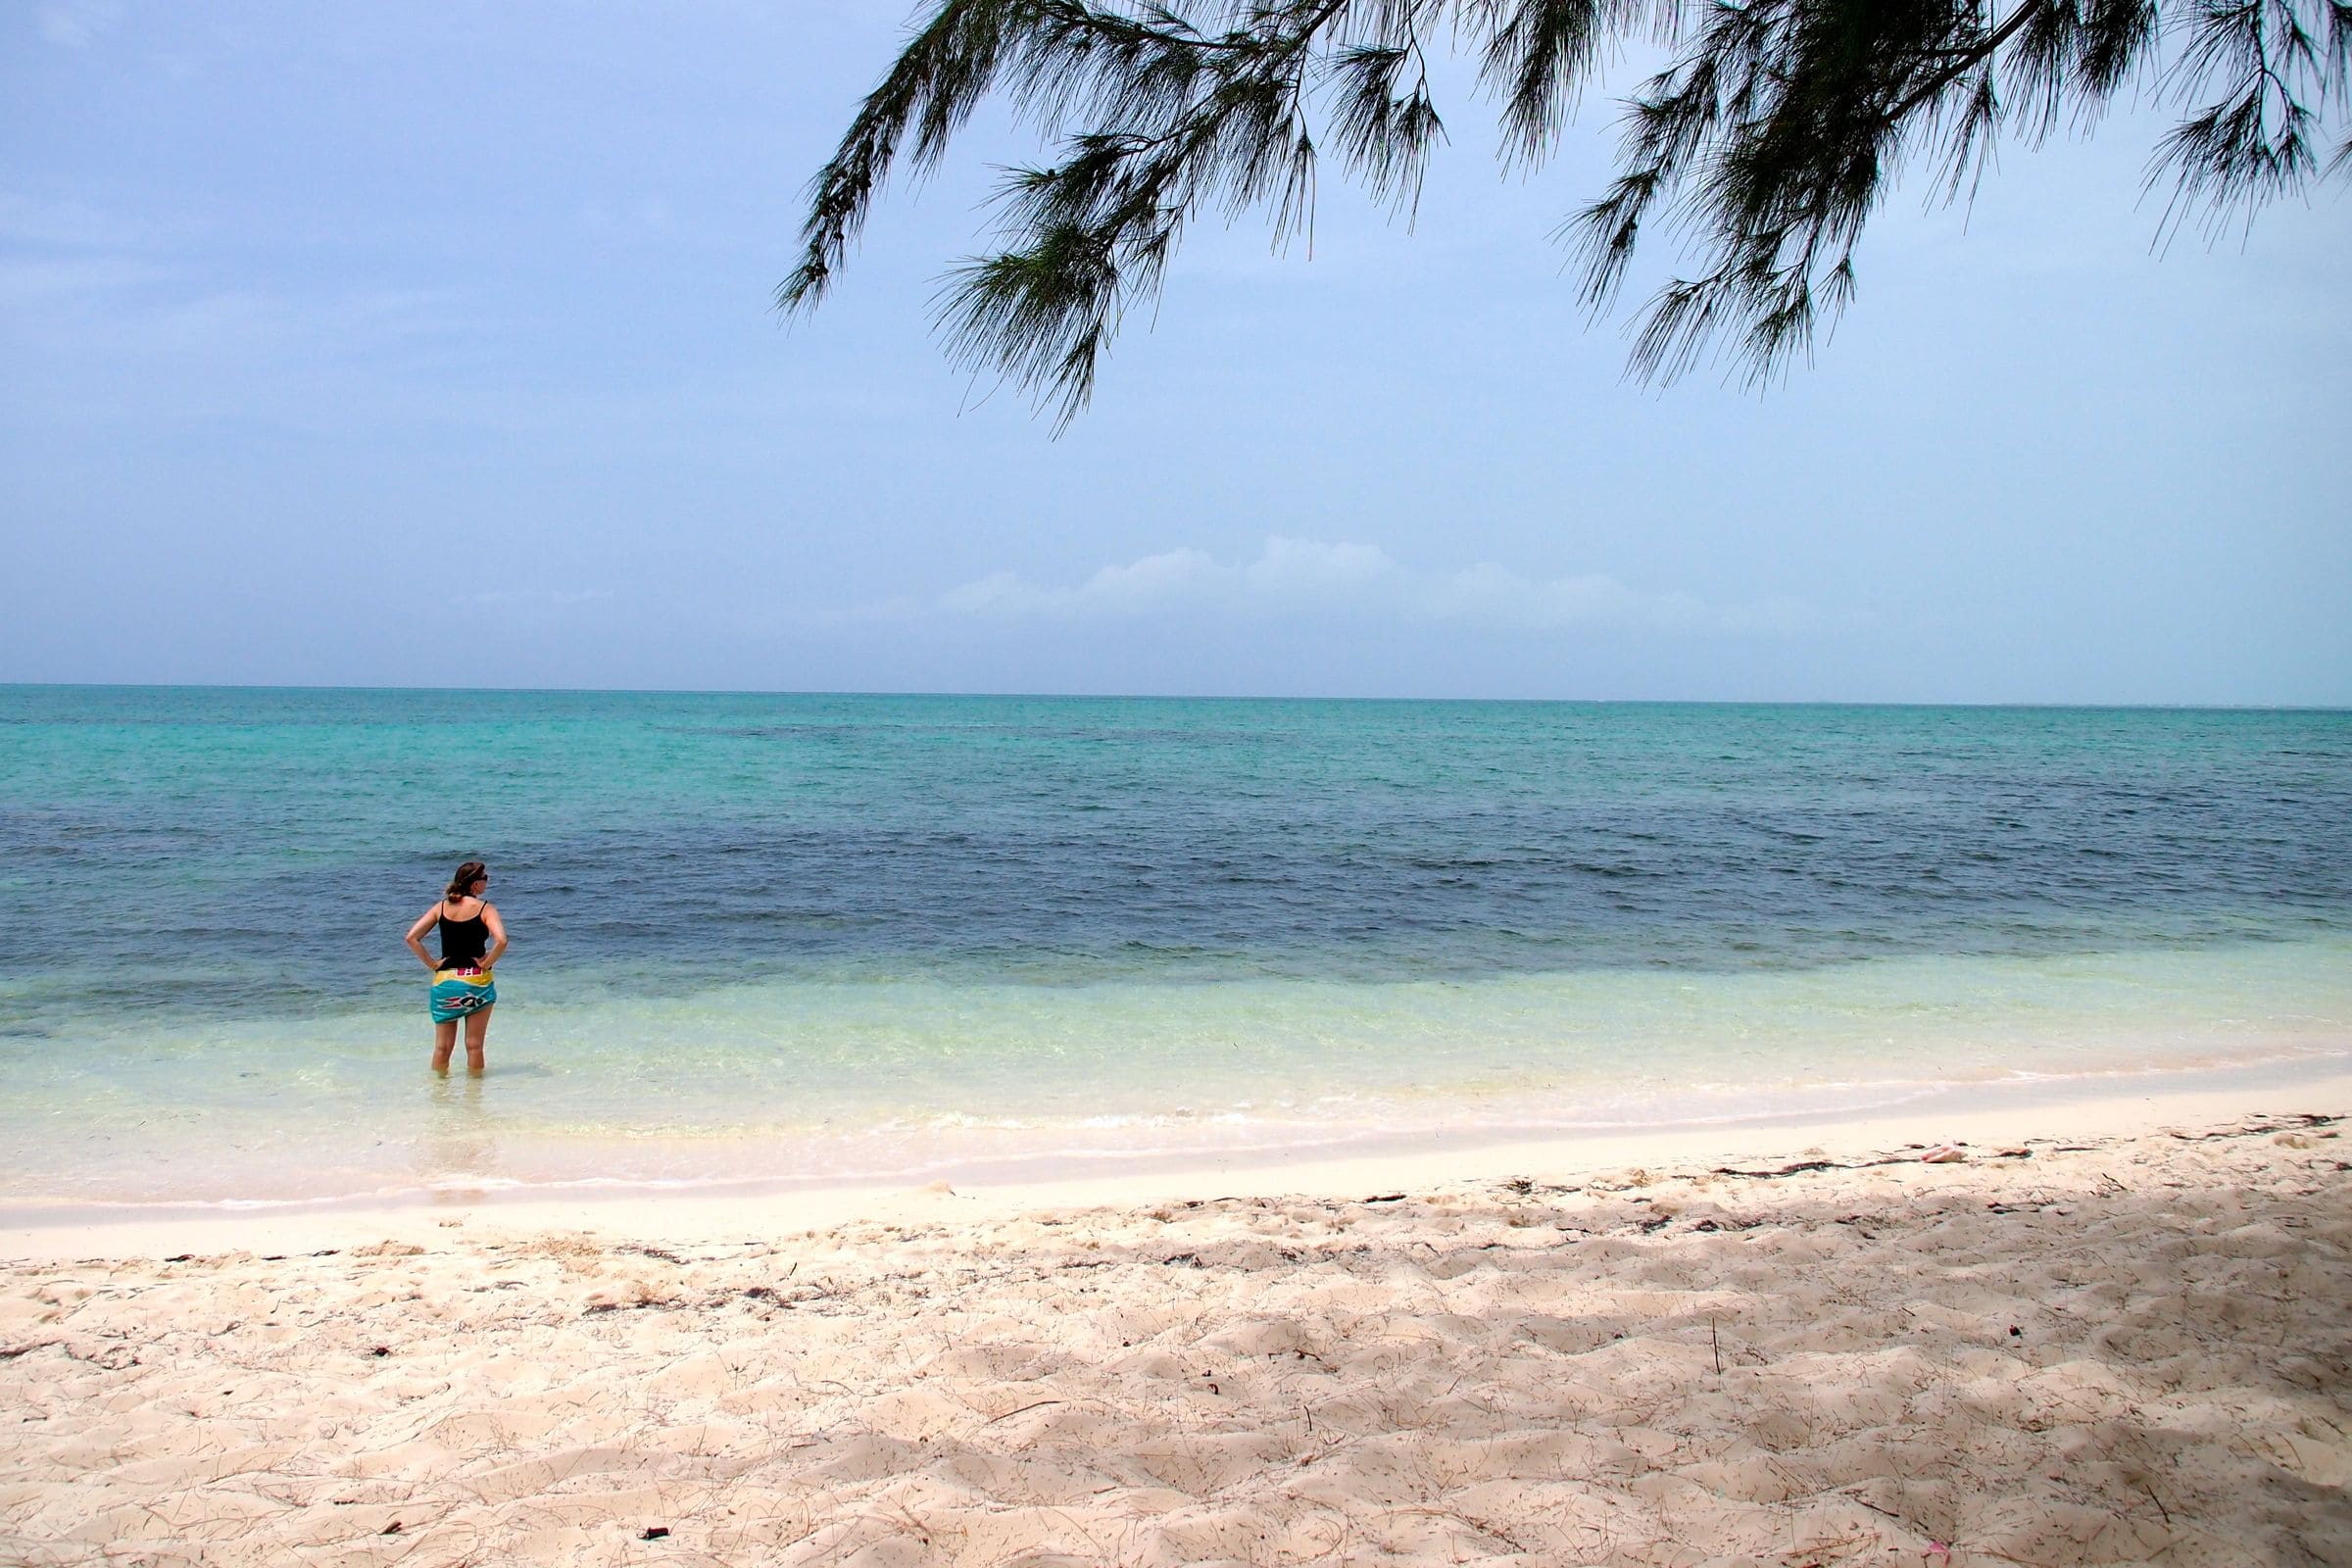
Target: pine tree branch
x: 1967, y: 58
x: 1773, y: 135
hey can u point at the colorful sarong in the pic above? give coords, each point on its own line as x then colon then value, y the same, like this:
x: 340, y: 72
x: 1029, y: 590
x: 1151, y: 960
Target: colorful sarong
x: 460, y: 992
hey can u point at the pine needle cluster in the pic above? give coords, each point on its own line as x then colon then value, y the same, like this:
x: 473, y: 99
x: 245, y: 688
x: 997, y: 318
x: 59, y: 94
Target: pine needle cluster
x: 1769, y: 140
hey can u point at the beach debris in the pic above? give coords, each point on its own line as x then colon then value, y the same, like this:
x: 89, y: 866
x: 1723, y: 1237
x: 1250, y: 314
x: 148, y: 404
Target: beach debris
x: 1797, y: 1169
x: 661, y: 1255
x: 380, y: 1350
x: 1386, y: 1198
x: 392, y: 1529
x: 654, y: 1532
x: 1937, y: 1548
x: 1034, y: 1404
x: 182, y: 1257
x: 1944, y: 1154
x: 636, y: 1296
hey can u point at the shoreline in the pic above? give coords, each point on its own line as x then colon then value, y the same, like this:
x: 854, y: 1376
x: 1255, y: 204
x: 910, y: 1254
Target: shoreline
x: 2079, y: 1108
x: 2116, y: 1331
x: 184, y: 1124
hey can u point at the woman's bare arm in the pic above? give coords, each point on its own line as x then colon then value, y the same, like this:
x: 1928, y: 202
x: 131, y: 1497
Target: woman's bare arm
x: 416, y: 938
x: 498, y: 935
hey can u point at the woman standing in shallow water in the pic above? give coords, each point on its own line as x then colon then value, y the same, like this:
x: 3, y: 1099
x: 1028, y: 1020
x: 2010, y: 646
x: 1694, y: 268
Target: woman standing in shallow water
x: 472, y: 938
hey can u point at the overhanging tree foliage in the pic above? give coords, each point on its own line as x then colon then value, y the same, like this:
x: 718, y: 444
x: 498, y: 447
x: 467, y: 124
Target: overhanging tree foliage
x: 1772, y: 135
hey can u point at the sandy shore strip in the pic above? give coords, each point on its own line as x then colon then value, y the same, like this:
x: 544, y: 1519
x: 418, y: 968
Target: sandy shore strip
x: 2130, y: 1345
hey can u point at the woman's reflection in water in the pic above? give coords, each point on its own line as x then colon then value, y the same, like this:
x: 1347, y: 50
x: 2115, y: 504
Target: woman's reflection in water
x: 460, y: 1147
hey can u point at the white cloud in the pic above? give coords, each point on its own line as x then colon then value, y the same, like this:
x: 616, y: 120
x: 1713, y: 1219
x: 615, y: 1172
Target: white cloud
x: 1294, y: 579
x: 1177, y: 578
x: 1309, y: 569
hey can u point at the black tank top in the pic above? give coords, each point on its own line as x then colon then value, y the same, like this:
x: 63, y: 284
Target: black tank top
x: 462, y: 942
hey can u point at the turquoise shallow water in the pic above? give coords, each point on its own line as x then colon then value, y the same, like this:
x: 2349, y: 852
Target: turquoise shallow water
x: 839, y: 937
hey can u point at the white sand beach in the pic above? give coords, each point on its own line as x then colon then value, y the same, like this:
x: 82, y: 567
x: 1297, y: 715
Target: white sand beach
x: 2111, y: 1334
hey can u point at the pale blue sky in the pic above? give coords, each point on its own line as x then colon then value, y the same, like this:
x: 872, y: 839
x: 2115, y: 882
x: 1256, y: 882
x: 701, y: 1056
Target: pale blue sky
x: 431, y: 345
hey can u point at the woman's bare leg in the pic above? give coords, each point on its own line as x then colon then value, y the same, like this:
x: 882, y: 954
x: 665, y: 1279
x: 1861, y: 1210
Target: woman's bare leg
x: 445, y: 1041
x: 477, y: 1030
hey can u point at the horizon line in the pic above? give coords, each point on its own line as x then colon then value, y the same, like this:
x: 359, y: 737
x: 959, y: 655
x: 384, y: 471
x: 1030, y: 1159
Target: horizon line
x: 1190, y: 697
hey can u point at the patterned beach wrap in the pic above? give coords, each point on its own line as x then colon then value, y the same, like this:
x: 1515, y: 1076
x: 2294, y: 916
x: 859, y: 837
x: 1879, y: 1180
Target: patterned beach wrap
x: 460, y: 992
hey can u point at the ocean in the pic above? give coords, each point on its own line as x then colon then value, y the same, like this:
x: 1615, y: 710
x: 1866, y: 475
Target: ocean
x: 807, y: 937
